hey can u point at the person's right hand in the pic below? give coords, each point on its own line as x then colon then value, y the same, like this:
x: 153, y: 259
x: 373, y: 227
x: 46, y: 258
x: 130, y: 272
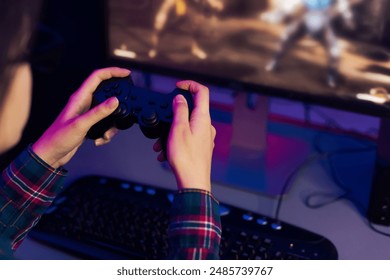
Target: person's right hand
x: 190, y: 141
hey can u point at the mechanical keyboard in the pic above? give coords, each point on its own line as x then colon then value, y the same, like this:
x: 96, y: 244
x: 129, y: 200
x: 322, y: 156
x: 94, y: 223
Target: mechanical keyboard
x: 106, y: 218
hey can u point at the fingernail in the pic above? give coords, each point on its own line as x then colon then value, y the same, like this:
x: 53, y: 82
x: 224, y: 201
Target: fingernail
x: 179, y: 99
x: 112, y: 102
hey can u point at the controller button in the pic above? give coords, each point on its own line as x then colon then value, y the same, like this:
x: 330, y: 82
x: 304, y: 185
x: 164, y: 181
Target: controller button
x: 115, y: 86
x: 107, y: 89
x: 121, y: 110
x: 149, y: 117
x: 133, y: 97
x: 152, y: 102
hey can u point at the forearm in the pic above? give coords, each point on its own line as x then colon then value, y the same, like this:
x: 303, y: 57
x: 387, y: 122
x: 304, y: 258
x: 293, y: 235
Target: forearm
x: 195, y: 227
x: 27, y: 188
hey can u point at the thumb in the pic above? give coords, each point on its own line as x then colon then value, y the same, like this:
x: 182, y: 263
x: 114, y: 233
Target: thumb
x: 180, y: 110
x: 98, y: 113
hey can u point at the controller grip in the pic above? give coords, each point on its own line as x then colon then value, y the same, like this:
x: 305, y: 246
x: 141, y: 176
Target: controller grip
x: 98, y: 129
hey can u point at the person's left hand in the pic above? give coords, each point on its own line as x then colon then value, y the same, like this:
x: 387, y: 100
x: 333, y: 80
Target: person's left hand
x: 62, y: 139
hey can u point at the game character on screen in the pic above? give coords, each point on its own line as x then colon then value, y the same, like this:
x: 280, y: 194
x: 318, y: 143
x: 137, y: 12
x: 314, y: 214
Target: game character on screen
x: 313, y: 18
x: 184, y: 14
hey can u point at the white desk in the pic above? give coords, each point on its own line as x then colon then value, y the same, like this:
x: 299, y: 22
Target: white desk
x: 130, y: 156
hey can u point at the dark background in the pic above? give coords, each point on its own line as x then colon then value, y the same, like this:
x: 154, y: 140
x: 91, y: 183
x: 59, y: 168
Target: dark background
x: 69, y: 45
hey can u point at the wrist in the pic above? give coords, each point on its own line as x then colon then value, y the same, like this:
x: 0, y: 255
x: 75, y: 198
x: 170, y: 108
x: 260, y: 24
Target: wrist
x: 43, y: 152
x: 186, y: 183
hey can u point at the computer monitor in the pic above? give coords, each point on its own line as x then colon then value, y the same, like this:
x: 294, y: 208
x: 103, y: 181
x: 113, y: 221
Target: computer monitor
x: 330, y: 52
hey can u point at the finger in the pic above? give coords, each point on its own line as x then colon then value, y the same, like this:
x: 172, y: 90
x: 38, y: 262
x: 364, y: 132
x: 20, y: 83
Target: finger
x: 180, y: 111
x: 101, y: 142
x: 92, y: 82
x: 81, y: 99
x: 107, y: 137
x: 88, y: 119
x: 200, y: 92
x: 157, y: 147
x: 161, y: 157
x: 109, y: 134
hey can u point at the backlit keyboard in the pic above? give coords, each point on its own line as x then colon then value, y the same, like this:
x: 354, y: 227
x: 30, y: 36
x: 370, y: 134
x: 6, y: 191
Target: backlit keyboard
x: 106, y: 218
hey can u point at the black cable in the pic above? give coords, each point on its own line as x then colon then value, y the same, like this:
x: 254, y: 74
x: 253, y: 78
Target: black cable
x: 330, y: 123
x: 321, y: 155
x: 332, y: 199
x: 340, y: 183
x: 346, y: 190
x: 287, y: 183
x: 357, y: 204
x: 371, y: 225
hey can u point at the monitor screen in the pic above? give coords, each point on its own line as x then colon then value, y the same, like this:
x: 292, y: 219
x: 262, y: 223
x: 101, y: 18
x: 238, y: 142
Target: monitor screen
x: 331, y: 52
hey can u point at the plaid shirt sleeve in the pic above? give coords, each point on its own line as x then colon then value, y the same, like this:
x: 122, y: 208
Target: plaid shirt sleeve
x: 27, y: 188
x: 195, y: 226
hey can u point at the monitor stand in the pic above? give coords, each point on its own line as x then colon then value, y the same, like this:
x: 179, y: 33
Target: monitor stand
x: 248, y: 155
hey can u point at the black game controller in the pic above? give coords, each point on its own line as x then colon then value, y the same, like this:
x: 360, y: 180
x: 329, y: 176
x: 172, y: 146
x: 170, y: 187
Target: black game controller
x: 151, y: 110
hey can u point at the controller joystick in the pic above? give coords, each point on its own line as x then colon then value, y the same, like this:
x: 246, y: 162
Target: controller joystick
x: 151, y: 110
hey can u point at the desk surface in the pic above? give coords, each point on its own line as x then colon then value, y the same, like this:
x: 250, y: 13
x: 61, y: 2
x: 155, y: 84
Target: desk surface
x: 130, y: 156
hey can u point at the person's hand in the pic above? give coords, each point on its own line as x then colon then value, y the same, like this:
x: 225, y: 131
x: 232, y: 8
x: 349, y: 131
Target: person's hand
x: 190, y: 141
x: 62, y: 139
